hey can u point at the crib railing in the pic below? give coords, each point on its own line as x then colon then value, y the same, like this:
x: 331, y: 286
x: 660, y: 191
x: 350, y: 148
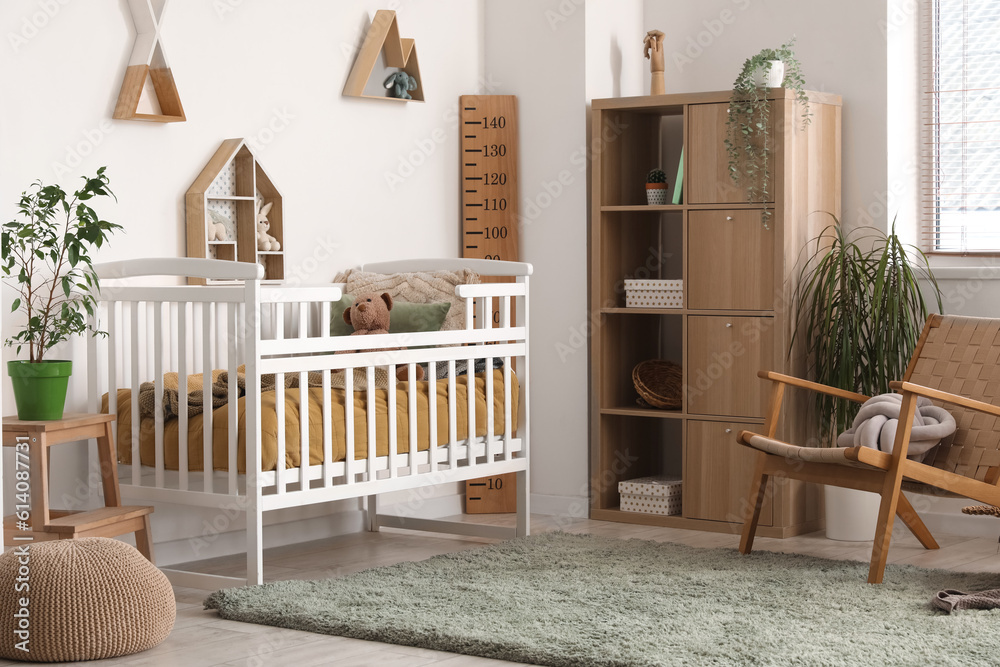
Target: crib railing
x: 190, y: 329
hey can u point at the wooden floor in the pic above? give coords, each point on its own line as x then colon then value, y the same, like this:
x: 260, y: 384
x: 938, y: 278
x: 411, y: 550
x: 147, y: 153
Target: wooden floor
x: 201, y: 639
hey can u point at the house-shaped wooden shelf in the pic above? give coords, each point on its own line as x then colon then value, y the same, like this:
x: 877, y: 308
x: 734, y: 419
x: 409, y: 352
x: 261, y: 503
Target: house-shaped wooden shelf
x: 231, y: 188
x: 400, y: 53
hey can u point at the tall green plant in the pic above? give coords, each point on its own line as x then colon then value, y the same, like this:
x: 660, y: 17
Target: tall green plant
x: 748, y: 126
x: 47, y: 251
x: 860, y: 310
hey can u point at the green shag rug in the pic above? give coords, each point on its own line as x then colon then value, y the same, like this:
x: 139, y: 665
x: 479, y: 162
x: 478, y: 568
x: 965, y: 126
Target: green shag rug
x: 580, y: 600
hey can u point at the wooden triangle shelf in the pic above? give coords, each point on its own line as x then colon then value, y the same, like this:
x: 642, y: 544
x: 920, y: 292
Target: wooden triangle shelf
x: 148, y: 61
x: 401, y: 53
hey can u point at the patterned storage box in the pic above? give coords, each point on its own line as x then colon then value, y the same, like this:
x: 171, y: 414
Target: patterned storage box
x: 654, y: 293
x: 651, y: 495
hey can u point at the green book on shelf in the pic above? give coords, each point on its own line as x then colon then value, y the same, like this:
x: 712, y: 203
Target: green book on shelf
x: 678, y: 189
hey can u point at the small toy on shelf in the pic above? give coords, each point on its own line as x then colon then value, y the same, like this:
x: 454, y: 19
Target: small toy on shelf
x: 265, y: 241
x: 401, y: 83
x: 653, y: 51
x: 216, y: 226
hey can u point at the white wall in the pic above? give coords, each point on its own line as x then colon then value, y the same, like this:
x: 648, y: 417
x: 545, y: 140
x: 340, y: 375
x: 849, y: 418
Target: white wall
x: 272, y: 71
x: 842, y: 50
x: 536, y: 51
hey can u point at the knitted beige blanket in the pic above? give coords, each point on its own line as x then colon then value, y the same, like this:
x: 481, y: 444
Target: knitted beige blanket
x: 421, y: 287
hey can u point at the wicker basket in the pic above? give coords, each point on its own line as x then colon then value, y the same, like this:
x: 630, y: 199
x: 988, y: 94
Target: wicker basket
x: 659, y: 383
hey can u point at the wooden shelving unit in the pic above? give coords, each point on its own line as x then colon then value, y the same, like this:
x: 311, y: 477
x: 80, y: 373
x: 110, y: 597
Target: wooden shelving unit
x: 234, y: 181
x: 738, y: 278
x: 398, y: 52
x: 148, y: 61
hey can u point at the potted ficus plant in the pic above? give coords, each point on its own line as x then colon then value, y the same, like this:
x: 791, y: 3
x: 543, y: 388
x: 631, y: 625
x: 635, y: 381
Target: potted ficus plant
x: 748, y: 125
x: 47, y: 257
x: 656, y: 187
x: 859, y: 308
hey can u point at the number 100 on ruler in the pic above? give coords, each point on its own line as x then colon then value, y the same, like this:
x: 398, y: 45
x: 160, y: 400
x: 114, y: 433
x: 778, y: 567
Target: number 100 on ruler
x: 489, y: 176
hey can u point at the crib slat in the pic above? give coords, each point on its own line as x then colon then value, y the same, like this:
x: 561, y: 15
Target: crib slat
x: 470, y: 396
x: 113, y: 336
x: 411, y: 411
x: 470, y: 311
x: 182, y: 387
x: 233, y: 407
x: 279, y: 413
x: 349, y: 462
x: 391, y: 414
x: 452, y: 417
x: 207, y: 412
x: 158, y: 389
x: 303, y: 331
x: 507, y: 418
x: 371, y: 414
x: 134, y: 369
x: 303, y: 429
x: 279, y: 321
x: 488, y: 375
x: 327, y: 425
x: 505, y: 312
x: 432, y: 413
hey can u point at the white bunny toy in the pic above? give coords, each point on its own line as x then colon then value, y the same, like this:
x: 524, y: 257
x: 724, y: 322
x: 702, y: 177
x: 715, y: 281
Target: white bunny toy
x: 264, y: 240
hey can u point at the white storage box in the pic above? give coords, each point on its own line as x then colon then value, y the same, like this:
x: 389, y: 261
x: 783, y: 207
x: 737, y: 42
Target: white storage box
x: 651, y: 495
x: 654, y: 293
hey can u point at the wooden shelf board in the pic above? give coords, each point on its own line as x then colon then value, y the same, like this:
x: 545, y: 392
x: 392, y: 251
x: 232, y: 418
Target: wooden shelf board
x: 157, y: 118
x: 643, y: 311
x: 642, y: 207
x: 230, y: 198
x: 655, y: 413
x: 270, y: 252
x: 221, y: 242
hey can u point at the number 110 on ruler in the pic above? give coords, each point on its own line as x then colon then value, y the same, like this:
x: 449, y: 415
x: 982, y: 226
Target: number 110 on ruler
x: 488, y: 129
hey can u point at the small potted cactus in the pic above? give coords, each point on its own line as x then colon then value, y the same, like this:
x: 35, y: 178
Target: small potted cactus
x: 656, y: 188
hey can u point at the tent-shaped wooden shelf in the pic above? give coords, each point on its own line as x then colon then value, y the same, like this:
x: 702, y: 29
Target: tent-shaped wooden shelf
x: 400, y: 53
x: 148, y: 61
x: 230, y: 189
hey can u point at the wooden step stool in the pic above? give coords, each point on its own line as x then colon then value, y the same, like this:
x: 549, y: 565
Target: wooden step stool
x: 31, y: 440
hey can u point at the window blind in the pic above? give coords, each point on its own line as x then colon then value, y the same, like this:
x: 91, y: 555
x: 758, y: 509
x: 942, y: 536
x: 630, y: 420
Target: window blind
x: 960, y: 109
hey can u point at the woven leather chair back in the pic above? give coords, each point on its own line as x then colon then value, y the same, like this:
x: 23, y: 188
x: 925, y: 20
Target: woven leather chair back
x: 960, y: 355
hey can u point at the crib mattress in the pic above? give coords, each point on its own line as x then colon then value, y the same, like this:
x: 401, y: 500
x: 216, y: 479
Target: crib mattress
x: 269, y: 424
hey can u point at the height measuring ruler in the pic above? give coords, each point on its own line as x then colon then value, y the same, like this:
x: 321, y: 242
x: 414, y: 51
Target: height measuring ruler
x: 488, y: 140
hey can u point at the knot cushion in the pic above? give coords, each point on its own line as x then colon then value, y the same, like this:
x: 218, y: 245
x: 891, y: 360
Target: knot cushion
x: 82, y: 599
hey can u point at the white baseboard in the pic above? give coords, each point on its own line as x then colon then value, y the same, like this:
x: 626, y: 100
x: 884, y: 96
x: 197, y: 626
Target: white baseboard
x: 577, y: 507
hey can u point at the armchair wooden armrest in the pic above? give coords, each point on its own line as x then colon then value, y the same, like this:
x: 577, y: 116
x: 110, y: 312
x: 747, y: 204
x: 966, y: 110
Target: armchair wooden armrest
x: 939, y: 395
x: 812, y: 386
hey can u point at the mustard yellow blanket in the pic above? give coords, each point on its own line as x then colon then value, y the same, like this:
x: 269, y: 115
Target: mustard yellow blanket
x: 269, y: 424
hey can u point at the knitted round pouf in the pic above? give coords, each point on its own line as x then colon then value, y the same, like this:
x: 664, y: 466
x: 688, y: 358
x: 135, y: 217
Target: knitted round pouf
x: 81, y: 599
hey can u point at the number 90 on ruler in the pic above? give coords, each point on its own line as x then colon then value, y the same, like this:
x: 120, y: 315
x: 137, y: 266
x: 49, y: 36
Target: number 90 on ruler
x: 488, y: 127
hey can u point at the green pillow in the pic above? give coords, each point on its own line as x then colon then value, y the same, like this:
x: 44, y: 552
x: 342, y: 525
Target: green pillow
x: 405, y: 317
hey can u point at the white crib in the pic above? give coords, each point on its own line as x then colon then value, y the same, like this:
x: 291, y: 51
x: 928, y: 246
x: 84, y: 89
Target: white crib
x: 154, y: 329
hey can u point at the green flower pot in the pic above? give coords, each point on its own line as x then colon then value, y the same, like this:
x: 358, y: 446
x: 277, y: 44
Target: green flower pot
x: 40, y: 388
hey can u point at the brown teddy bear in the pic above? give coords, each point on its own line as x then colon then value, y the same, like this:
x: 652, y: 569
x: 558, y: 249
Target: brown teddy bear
x: 369, y: 314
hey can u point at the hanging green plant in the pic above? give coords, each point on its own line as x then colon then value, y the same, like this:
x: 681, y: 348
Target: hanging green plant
x: 748, y: 127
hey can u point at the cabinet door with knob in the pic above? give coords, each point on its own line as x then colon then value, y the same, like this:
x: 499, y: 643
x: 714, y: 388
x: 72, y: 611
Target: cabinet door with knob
x: 731, y: 259
x: 723, y: 468
x: 723, y: 357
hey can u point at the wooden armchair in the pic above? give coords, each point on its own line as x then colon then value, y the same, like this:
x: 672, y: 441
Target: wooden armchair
x: 956, y: 364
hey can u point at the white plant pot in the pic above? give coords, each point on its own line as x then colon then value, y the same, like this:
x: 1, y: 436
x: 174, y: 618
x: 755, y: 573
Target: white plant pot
x: 851, y: 515
x: 772, y: 78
